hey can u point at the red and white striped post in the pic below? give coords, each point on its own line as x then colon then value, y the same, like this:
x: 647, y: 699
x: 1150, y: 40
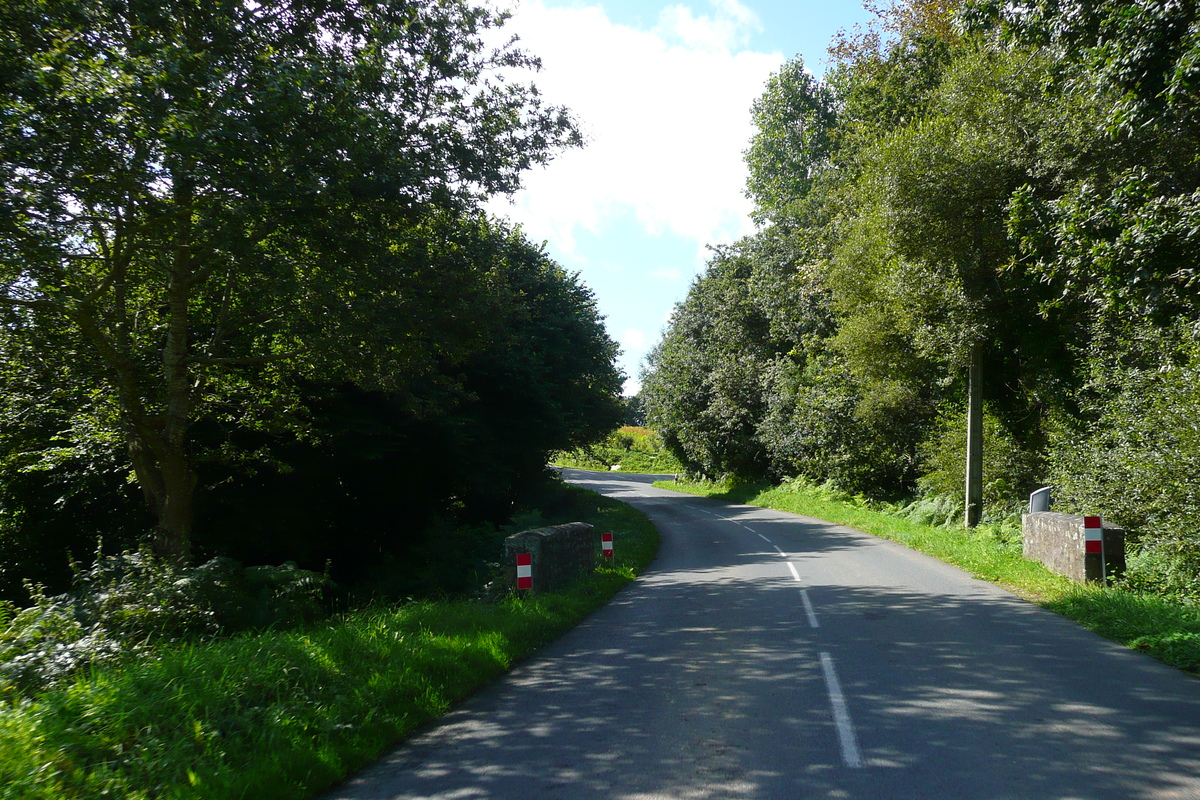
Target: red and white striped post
x: 524, y: 571
x: 606, y: 544
x: 1093, y: 542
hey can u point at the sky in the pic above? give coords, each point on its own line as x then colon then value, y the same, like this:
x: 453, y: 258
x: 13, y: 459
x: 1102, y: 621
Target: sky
x: 662, y: 92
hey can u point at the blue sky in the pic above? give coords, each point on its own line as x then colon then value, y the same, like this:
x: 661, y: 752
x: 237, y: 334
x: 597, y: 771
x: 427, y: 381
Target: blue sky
x: 662, y: 91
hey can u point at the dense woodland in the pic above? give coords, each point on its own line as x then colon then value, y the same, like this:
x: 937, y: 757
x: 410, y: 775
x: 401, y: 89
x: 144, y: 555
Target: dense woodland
x: 1018, y: 180
x: 251, y: 307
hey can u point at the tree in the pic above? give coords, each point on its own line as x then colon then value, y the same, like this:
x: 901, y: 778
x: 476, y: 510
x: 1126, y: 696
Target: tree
x: 928, y: 283
x: 482, y: 356
x: 1142, y: 59
x: 185, y: 181
x: 794, y: 117
x: 702, y: 384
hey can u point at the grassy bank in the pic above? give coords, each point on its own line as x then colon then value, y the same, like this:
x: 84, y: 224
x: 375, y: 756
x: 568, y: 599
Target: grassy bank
x: 628, y: 449
x: 286, y: 714
x: 1165, y: 628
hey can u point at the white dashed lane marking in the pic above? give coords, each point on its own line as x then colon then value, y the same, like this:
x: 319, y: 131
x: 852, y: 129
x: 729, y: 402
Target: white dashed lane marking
x: 808, y: 609
x: 841, y: 715
x: 851, y: 755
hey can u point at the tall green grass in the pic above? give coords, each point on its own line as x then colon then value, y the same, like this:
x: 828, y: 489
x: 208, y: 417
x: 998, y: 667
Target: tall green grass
x: 285, y: 714
x: 1166, y: 628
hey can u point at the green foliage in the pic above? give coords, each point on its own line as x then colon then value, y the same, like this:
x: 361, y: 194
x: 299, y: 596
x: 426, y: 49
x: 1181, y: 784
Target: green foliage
x: 635, y: 411
x: 202, y: 200
x: 479, y: 356
x: 1126, y: 245
x: 129, y: 605
x: 1135, y: 461
x: 702, y: 381
x: 1144, y: 57
x: 708, y: 383
x: 286, y: 714
x: 883, y: 76
x: 509, y: 361
x: 794, y: 118
x: 629, y: 448
x: 924, y: 267
x: 1010, y: 471
x: 815, y: 427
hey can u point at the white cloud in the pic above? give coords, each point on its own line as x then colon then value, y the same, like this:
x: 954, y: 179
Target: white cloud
x: 731, y: 26
x: 633, y: 339
x: 666, y: 113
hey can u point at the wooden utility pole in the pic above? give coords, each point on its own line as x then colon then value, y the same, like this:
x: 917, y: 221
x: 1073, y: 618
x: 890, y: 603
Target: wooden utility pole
x: 974, y: 494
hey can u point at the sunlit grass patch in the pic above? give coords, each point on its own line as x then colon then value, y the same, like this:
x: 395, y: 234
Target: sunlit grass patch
x: 628, y: 449
x: 1166, y: 629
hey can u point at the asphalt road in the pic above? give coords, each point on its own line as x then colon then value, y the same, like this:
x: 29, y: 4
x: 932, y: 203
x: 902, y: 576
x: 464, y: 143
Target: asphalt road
x: 768, y: 655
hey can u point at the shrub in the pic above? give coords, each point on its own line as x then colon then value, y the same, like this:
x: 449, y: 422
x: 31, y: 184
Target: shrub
x: 1010, y: 470
x: 127, y: 604
x: 939, y: 511
x: 1136, y: 464
x: 812, y: 427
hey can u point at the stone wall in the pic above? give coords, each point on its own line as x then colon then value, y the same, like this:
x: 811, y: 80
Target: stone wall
x: 560, y: 554
x: 1057, y: 540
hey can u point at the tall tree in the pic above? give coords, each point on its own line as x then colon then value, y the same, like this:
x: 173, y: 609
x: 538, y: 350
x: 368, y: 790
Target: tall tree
x: 181, y: 179
x: 795, y: 117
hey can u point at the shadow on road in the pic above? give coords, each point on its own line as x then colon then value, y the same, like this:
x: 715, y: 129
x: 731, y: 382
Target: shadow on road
x: 703, y: 680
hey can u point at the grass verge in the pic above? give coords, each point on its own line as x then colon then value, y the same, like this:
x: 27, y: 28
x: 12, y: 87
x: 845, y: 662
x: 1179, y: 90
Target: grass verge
x: 1165, y: 628
x: 286, y: 714
x: 629, y: 449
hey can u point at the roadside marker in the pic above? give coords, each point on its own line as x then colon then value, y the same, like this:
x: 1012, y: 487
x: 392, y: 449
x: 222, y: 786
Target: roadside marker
x: 524, y: 571
x: 1093, y: 536
x: 606, y: 544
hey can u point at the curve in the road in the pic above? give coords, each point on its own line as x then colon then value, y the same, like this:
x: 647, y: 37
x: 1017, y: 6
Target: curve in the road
x: 767, y: 655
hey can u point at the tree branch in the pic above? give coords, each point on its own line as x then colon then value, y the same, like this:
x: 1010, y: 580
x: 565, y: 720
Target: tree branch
x: 255, y: 360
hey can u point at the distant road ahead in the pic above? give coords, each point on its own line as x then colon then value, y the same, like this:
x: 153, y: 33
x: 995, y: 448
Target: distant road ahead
x: 767, y: 655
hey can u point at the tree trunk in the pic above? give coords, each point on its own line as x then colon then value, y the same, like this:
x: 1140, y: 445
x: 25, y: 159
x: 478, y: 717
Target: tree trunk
x: 974, y: 488
x: 173, y: 534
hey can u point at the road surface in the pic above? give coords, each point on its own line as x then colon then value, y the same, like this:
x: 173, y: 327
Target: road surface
x: 768, y: 655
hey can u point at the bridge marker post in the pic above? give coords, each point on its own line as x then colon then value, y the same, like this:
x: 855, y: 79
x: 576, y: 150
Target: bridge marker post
x: 1093, y: 544
x: 606, y: 544
x: 524, y: 571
